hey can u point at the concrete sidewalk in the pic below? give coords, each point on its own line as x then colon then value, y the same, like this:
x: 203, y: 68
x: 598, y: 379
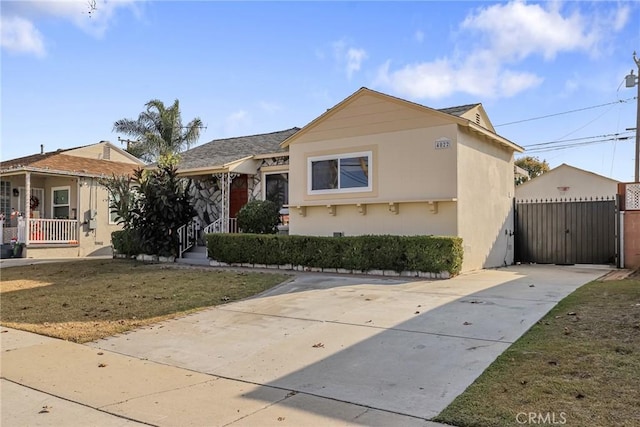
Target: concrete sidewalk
x: 320, y: 350
x: 49, y: 382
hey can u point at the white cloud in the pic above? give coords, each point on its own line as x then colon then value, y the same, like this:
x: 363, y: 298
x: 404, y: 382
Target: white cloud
x: 494, y: 42
x: 19, y: 35
x: 20, y: 19
x: 354, y: 60
x: 235, y: 122
x: 516, y: 30
x: 348, y: 57
x: 419, y: 36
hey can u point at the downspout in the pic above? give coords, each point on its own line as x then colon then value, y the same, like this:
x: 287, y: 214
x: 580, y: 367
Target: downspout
x: 78, y: 196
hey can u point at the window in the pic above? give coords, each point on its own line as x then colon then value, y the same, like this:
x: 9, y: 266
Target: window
x: 34, y: 202
x: 276, y: 188
x: 335, y: 174
x: 60, y: 202
x: 113, y: 215
x: 5, y: 200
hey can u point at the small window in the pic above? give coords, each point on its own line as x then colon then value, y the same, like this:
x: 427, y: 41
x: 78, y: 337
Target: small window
x: 5, y: 200
x: 113, y: 214
x: 344, y: 173
x: 276, y: 188
x: 60, y: 202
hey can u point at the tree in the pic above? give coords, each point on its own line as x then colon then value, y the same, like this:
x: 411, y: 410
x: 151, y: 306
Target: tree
x: 163, y: 207
x: 533, y: 165
x: 158, y: 131
x: 122, y: 198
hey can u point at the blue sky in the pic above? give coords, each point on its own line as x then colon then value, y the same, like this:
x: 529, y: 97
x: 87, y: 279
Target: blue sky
x: 253, y: 67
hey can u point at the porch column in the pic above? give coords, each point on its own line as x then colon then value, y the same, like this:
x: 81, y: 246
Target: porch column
x: 228, y: 203
x: 223, y: 200
x: 27, y: 206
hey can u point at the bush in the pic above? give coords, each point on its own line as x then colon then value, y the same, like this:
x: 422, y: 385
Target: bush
x: 126, y: 242
x: 431, y: 254
x: 259, y: 217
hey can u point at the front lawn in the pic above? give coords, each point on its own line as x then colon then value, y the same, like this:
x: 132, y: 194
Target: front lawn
x: 82, y: 301
x: 578, y: 366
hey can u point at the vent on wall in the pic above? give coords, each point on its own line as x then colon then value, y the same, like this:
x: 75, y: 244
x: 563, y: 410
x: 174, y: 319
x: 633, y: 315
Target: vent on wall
x: 477, y: 118
x: 106, y: 152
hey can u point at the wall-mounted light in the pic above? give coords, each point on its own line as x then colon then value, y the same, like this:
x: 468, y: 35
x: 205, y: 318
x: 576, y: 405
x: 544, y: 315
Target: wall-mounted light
x: 16, y: 192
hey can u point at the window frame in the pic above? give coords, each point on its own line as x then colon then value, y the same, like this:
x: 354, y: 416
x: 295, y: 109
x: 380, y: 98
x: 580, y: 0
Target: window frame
x: 6, y: 198
x: 338, y: 157
x: 53, y: 199
x: 264, y: 184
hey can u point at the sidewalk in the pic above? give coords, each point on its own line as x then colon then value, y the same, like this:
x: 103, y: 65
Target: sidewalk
x: 46, y: 381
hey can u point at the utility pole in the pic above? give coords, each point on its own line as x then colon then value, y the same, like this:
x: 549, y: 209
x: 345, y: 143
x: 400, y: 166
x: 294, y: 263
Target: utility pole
x: 128, y: 141
x: 632, y: 80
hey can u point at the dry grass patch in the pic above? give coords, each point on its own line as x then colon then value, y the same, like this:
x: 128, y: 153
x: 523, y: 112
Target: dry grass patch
x: 87, y: 300
x: 580, y: 364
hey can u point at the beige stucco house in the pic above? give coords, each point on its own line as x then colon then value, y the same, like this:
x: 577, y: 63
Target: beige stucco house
x: 376, y: 164
x: 567, y: 182
x: 59, y: 208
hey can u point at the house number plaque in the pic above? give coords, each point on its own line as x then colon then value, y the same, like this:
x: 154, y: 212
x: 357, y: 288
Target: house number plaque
x: 442, y: 143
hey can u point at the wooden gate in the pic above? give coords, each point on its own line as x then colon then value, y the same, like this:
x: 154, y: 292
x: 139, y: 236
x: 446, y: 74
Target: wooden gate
x: 566, y: 231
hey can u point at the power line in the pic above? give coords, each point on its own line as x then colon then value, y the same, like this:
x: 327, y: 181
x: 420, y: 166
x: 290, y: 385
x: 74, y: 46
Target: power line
x: 619, y: 101
x: 616, y: 135
x: 575, y: 145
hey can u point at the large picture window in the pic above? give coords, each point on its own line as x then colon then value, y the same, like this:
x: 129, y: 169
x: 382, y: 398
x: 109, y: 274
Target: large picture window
x: 339, y: 173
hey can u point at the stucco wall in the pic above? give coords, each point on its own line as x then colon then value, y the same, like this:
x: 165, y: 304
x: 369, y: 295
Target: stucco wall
x: 485, y: 203
x: 97, y: 151
x: 405, y: 168
x: 567, y: 182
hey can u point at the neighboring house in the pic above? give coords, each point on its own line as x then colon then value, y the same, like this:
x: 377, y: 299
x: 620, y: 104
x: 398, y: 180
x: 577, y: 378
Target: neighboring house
x: 63, y: 208
x: 567, y: 182
x: 376, y: 164
x: 227, y: 173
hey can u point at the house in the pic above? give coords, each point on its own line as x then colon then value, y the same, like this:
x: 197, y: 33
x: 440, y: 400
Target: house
x: 373, y: 164
x: 568, y: 182
x: 227, y: 173
x: 377, y: 164
x: 64, y: 211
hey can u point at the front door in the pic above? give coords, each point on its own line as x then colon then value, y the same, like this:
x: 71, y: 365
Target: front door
x: 239, y: 195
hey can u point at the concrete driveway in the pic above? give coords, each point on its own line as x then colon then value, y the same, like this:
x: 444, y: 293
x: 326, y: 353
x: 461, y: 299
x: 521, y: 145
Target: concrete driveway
x: 404, y: 347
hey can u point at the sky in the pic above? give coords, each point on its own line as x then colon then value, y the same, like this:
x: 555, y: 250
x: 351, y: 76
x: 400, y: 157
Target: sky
x: 70, y: 69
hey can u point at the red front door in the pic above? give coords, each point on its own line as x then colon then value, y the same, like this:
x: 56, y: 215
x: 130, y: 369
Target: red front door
x: 239, y: 195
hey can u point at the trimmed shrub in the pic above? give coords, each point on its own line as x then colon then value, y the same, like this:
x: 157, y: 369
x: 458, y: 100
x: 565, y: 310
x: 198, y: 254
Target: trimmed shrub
x: 260, y: 217
x: 432, y: 254
x: 126, y: 242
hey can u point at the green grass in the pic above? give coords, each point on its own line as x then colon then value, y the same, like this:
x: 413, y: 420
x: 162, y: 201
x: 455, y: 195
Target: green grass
x: 87, y: 300
x: 580, y: 363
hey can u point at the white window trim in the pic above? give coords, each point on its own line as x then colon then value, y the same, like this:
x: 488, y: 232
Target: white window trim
x: 22, y: 209
x: 368, y: 188
x: 53, y: 205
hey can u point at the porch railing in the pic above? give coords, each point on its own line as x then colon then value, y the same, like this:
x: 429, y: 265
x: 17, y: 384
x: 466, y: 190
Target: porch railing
x: 188, y: 235
x: 49, y: 230
x: 217, y: 226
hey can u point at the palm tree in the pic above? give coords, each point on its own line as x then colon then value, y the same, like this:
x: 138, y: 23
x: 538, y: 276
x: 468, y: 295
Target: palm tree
x: 158, y: 131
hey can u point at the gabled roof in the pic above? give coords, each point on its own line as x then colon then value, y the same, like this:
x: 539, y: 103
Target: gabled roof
x: 581, y: 172
x: 61, y: 162
x: 453, y: 114
x: 458, y: 110
x: 220, y: 152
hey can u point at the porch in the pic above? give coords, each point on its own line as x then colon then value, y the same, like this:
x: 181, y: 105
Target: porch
x: 37, y: 231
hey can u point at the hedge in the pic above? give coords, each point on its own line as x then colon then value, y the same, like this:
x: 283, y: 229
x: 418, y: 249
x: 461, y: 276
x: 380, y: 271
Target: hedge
x: 432, y: 254
x: 126, y: 242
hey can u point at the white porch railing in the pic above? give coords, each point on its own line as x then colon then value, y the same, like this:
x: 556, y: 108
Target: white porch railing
x: 217, y: 226
x: 48, y: 231
x: 188, y: 235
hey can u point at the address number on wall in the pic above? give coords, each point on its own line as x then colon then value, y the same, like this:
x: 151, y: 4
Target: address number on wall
x: 442, y: 143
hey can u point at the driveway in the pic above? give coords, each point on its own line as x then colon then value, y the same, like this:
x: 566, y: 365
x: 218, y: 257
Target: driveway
x: 405, y: 347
